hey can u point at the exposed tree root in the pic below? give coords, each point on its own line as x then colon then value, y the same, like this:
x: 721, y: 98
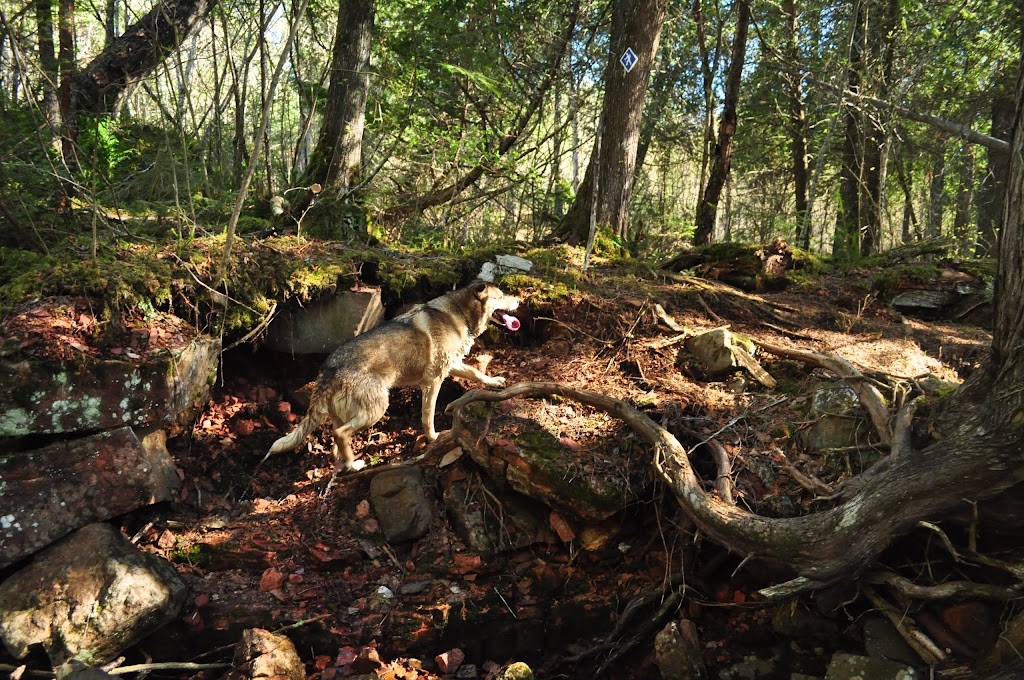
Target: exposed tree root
x: 836, y: 543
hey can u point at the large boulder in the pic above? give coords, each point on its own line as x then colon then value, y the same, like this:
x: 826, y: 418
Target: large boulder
x: 165, y: 387
x: 90, y: 596
x: 48, y: 493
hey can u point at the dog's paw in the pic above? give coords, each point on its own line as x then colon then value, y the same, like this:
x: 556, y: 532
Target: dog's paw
x: 494, y: 381
x: 357, y: 465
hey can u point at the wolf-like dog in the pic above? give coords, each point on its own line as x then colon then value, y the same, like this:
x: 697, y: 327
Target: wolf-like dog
x: 421, y: 347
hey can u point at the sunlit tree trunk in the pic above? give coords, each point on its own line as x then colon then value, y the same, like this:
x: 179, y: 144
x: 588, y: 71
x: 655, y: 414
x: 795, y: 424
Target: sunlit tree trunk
x: 709, y: 58
x: 338, y: 152
x: 136, y: 52
x: 936, y: 193
x: 66, y: 61
x: 48, y: 61
x: 798, y: 131
x: 636, y: 25
x: 722, y: 157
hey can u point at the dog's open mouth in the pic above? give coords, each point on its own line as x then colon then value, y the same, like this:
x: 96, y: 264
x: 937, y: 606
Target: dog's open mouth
x: 505, y: 319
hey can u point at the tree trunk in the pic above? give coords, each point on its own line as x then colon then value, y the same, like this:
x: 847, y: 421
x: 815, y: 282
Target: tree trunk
x: 722, y: 158
x: 338, y: 152
x: 936, y: 193
x: 132, y: 56
x: 636, y: 25
x: 66, y: 62
x: 708, y: 68
x: 993, y: 187
x: 50, y: 72
x: 798, y: 131
x: 964, y: 201
x: 846, y: 242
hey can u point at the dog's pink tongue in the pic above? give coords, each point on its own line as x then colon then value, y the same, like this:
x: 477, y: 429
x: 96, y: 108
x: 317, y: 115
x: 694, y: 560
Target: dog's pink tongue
x: 511, y: 322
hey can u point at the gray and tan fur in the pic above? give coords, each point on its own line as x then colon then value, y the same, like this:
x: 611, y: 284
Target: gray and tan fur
x: 421, y: 347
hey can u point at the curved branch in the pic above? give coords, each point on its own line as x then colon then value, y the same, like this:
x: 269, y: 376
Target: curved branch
x: 834, y: 544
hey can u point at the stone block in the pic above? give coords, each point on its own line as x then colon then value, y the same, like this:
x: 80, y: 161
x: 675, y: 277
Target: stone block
x: 164, y: 388
x: 320, y: 326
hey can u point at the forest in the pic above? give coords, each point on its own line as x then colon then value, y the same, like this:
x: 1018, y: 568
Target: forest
x: 178, y: 176
x: 847, y: 128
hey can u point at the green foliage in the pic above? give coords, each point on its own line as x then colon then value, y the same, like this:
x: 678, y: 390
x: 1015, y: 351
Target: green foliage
x: 103, y: 146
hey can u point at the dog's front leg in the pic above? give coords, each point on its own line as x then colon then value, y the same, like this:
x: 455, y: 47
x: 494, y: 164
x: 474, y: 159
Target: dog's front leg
x: 461, y: 370
x: 430, y: 390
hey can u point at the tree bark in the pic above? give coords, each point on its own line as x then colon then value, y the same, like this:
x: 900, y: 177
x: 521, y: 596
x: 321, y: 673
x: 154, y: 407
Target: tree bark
x: 722, y: 157
x: 798, y: 131
x: 636, y: 25
x: 993, y: 188
x: 337, y: 156
x: 132, y: 56
x: 48, y: 62
x: 936, y: 193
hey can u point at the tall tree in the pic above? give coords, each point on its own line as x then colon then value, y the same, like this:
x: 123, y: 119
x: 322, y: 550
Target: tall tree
x: 993, y: 186
x: 707, y: 213
x: 608, y: 182
x: 798, y: 127
x: 49, y: 70
x: 337, y: 155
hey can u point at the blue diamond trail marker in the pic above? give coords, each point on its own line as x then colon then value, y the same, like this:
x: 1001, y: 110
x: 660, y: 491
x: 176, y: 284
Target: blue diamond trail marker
x: 628, y: 59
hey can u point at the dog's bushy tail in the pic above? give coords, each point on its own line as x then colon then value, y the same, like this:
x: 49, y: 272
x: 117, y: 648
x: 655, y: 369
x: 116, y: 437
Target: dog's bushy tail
x: 316, y: 415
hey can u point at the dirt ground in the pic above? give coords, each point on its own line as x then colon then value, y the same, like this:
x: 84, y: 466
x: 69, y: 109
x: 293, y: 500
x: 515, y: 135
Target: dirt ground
x: 261, y: 546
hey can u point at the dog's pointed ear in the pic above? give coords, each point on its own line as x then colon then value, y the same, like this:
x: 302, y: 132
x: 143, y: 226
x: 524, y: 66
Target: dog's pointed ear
x: 479, y: 289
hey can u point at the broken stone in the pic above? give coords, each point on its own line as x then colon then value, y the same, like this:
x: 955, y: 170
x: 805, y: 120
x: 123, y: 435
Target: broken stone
x: 90, y: 596
x: 164, y: 388
x: 677, y: 651
x: 721, y: 352
x: 401, y: 504
x: 850, y: 666
x: 322, y: 325
x: 838, y: 416
x: 263, y: 654
x: 87, y: 480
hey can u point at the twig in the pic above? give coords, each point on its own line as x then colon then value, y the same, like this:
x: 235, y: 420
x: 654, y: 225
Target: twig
x: 660, y: 312
x: 808, y: 482
x: 255, y: 331
x: 723, y: 482
x: 168, y: 666
x: 945, y: 591
x: 707, y: 310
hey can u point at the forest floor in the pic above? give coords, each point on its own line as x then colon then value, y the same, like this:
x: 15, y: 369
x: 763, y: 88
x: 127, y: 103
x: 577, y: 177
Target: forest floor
x: 261, y: 546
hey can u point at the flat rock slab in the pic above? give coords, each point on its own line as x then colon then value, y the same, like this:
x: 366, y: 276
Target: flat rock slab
x: 48, y: 493
x: 163, y: 387
x: 322, y: 325
x: 90, y: 597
